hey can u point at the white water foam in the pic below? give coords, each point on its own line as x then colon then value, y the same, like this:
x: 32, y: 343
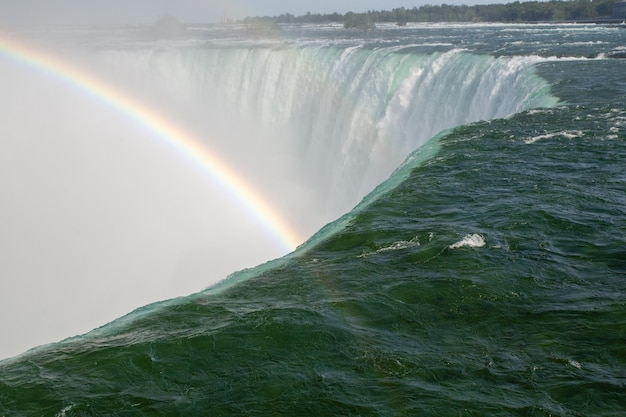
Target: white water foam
x: 472, y: 241
x: 564, y: 134
x: 399, y: 245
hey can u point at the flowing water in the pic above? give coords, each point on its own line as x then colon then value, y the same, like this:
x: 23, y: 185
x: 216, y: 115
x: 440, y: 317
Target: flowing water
x: 474, y: 261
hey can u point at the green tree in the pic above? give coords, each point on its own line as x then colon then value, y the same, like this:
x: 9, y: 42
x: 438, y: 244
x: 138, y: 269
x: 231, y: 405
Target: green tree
x: 360, y: 21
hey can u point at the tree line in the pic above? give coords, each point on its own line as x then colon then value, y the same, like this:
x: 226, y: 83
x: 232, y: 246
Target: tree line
x: 528, y: 11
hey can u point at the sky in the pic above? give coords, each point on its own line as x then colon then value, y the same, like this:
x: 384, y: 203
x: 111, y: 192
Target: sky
x: 188, y: 11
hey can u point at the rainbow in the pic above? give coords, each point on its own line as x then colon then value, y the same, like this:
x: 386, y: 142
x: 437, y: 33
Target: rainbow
x: 158, y: 124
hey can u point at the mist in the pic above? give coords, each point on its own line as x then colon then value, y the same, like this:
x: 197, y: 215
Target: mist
x: 100, y: 216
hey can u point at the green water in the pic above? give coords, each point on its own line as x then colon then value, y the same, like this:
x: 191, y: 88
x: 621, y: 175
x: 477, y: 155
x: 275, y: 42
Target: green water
x: 387, y: 313
x: 384, y: 318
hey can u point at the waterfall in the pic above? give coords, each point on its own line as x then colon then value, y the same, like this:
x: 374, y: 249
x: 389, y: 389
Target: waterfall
x: 327, y: 124
x: 114, y: 220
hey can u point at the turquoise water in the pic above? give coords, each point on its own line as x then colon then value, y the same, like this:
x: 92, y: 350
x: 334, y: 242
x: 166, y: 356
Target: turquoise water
x: 487, y: 276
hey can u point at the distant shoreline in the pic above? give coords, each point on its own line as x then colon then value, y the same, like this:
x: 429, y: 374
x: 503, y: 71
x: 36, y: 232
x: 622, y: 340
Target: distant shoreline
x: 553, y: 11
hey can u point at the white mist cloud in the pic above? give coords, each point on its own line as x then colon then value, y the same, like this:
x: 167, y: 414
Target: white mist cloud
x: 99, y: 216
